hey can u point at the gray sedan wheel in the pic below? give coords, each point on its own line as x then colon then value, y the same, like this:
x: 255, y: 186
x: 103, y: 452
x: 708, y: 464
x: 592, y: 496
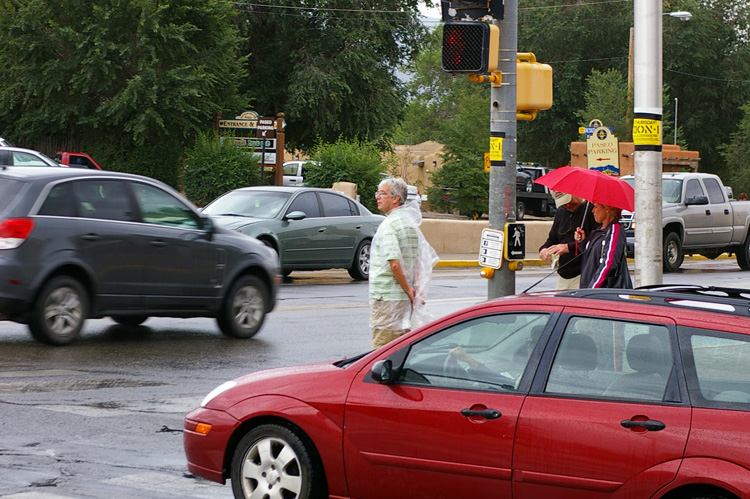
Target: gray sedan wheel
x: 360, y: 269
x: 59, y: 311
x: 244, y: 308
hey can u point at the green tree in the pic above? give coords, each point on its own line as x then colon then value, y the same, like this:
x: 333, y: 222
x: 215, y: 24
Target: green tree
x: 348, y: 160
x: 214, y: 167
x: 129, y: 80
x: 607, y: 100
x: 735, y: 154
x: 705, y: 67
x: 455, y: 112
x: 330, y: 68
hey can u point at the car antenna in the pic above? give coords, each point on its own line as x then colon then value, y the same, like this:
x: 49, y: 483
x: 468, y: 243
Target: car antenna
x: 555, y: 270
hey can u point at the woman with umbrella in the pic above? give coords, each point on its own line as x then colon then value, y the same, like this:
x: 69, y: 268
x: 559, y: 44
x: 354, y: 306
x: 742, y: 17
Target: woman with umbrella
x: 605, y: 263
x: 604, y: 259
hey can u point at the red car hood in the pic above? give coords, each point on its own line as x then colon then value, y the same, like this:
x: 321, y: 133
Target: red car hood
x: 320, y: 382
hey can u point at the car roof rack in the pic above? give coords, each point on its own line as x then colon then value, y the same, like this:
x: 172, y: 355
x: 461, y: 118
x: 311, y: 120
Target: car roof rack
x: 734, y: 301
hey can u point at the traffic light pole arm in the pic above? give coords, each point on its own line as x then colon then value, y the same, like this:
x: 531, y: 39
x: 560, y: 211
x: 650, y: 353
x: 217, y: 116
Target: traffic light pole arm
x: 495, y: 77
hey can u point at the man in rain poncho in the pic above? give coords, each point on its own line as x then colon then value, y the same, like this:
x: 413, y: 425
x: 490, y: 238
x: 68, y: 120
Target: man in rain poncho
x: 401, y: 264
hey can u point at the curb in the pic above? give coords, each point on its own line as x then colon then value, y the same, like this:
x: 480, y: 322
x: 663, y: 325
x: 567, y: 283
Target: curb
x: 475, y: 263
x: 537, y: 262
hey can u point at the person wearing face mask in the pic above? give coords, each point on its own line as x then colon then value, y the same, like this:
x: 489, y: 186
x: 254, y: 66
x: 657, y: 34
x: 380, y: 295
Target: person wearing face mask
x: 572, y: 212
x: 604, y: 262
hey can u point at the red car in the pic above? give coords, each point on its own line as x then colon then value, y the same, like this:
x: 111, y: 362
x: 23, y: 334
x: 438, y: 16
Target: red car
x: 580, y: 394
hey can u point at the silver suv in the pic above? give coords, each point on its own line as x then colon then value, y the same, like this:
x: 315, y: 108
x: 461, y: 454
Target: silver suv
x: 80, y: 243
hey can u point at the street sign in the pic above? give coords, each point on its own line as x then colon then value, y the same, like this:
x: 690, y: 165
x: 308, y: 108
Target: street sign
x: 255, y: 143
x: 603, y: 151
x: 266, y: 123
x: 268, y: 157
x: 241, y: 124
x: 491, y: 248
x: 264, y: 133
x: 515, y: 237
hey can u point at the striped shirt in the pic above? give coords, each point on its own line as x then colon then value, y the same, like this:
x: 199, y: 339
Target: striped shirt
x: 396, y: 239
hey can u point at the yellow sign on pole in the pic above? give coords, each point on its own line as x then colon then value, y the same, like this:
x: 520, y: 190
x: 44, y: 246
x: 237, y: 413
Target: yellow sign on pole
x: 646, y: 132
x: 496, y: 148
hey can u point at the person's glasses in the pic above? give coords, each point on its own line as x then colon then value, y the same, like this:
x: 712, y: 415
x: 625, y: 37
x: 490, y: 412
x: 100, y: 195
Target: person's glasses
x: 380, y: 194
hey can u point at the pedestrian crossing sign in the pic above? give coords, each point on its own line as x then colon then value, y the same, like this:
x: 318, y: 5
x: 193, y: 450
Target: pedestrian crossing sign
x: 515, y: 241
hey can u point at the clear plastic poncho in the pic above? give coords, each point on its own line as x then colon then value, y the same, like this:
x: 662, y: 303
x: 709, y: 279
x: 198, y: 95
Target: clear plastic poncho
x: 400, y: 314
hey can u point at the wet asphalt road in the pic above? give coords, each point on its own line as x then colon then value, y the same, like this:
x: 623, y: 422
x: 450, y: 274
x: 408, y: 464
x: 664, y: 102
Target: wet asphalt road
x: 103, y: 416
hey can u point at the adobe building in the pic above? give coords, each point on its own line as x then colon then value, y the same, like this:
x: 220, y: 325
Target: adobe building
x: 674, y: 159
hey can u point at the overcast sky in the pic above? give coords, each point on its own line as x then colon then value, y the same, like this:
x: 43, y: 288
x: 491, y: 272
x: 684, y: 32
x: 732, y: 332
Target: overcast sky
x: 432, y: 13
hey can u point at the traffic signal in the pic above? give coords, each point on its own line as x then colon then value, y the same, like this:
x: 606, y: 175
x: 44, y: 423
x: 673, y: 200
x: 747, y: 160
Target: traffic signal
x: 470, y: 47
x: 471, y: 10
x: 533, y: 86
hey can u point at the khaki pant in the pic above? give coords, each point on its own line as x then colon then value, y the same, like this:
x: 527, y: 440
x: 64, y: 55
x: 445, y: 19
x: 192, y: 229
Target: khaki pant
x: 572, y: 283
x: 381, y: 337
x: 385, y: 319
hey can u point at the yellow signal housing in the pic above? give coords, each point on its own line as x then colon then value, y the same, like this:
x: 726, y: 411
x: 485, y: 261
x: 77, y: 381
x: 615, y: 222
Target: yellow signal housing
x: 534, y: 86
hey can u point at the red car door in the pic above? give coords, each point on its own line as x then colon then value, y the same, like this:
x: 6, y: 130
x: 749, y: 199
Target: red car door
x: 444, y: 428
x: 609, y: 420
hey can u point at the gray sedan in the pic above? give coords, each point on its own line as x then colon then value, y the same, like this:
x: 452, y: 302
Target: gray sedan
x: 311, y: 229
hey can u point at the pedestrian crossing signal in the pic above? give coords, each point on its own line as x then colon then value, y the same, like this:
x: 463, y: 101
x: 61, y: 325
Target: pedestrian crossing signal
x: 470, y: 47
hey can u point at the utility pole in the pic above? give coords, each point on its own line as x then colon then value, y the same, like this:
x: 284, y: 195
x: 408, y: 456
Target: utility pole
x: 647, y: 138
x: 503, y: 133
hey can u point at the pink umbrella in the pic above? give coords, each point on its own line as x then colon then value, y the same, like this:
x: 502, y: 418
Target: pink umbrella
x: 591, y: 185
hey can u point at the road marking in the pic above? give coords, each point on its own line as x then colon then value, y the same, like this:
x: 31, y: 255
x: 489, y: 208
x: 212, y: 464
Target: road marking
x: 174, y: 485
x: 41, y: 372
x: 292, y: 308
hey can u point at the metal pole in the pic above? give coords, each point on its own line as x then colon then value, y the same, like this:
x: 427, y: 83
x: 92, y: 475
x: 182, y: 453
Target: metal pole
x: 503, y: 124
x: 675, y: 121
x: 647, y: 69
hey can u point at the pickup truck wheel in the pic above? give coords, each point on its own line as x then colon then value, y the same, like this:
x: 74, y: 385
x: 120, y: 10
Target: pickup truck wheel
x: 672, y: 253
x: 743, y: 255
x: 520, y: 210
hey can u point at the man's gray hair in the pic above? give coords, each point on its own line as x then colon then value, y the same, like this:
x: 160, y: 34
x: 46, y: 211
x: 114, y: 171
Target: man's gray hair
x: 398, y: 188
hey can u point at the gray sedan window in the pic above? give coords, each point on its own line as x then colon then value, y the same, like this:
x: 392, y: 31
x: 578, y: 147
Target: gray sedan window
x: 307, y: 202
x: 336, y: 206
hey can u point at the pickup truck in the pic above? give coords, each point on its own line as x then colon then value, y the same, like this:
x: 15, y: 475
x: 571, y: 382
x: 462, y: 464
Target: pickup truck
x: 533, y: 198
x: 697, y: 218
x: 76, y: 160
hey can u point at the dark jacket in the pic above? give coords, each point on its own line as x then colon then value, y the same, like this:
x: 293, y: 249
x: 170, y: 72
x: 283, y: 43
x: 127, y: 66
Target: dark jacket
x: 563, y: 231
x: 605, y: 264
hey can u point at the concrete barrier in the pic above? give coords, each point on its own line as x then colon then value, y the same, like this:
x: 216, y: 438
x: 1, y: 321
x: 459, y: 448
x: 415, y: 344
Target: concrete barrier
x: 449, y: 236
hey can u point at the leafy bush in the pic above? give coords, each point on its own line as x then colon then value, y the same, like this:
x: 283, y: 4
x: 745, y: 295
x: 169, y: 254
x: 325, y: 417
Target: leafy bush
x: 348, y: 161
x: 161, y: 161
x: 214, y: 167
